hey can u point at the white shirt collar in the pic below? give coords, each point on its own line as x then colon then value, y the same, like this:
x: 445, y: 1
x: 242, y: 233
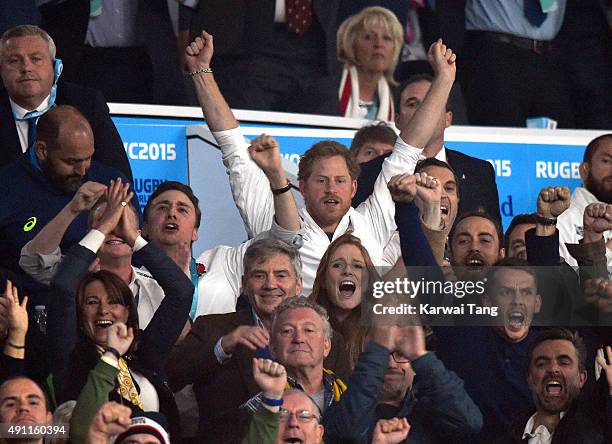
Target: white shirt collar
x: 441, y: 155
x: 20, y: 112
x: 540, y: 435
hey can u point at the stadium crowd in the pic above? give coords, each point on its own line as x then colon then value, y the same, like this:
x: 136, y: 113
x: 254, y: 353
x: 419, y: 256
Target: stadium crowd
x: 112, y: 331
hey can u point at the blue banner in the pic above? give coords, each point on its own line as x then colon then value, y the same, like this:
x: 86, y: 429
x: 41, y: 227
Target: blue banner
x: 157, y: 151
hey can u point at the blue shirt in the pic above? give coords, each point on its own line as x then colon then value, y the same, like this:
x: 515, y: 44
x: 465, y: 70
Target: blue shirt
x: 508, y: 16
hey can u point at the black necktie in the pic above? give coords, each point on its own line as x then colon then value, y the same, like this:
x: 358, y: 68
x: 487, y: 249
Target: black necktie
x: 533, y: 12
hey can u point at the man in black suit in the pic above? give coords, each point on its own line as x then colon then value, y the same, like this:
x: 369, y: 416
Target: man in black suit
x: 477, y: 187
x: 29, y: 74
x: 217, y: 353
x: 263, y: 62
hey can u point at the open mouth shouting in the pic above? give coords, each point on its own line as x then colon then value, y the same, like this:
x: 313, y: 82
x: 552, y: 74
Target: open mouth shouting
x: 516, y: 320
x: 553, y: 387
x: 475, y: 260
x: 347, y: 289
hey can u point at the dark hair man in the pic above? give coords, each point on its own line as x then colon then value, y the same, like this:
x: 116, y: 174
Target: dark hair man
x: 327, y: 175
x: 43, y: 180
x: 476, y: 178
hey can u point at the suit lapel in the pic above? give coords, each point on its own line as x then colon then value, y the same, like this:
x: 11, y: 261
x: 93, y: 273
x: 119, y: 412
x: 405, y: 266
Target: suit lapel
x: 9, y: 139
x: 244, y: 356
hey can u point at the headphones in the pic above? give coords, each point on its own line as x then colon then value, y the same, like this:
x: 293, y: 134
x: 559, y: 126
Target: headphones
x: 58, y: 67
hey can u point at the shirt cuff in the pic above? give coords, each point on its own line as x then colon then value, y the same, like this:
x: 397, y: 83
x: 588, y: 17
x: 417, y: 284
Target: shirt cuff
x: 220, y: 353
x: 93, y: 240
x: 110, y: 361
x: 139, y: 244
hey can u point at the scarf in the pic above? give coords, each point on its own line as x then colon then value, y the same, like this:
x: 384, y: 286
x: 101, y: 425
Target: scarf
x: 332, y: 385
x: 349, y: 96
x: 127, y: 388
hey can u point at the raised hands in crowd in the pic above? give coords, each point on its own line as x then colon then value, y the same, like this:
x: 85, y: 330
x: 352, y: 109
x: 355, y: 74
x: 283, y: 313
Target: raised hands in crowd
x: 552, y: 202
x: 606, y: 366
x: 597, y: 219
x: 111, y: 420
x: 271, y: 378
x: 16, y: 320
x: 265, y: 152
x: 598, y: 292
x: 391, y: 431
x: 114, y: 218
x: 119, y: 338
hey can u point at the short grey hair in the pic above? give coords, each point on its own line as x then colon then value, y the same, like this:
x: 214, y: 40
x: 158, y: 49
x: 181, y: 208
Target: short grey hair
x: 25, y: 31
x: 262, y: 250
x: 302, y: 302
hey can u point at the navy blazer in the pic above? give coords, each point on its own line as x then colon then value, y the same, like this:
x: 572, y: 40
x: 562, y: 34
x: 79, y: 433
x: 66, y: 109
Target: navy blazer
x: 109, y: 147
x: 72, y: 356
x: 476, y: 177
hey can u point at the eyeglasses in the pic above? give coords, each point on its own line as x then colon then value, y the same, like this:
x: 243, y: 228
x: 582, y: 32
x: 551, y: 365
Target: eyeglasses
x: 302, y: 416
x: 399, y: 358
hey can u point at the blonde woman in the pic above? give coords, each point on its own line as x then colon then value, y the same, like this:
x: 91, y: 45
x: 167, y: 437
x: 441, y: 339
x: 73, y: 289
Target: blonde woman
x: 369, y: 44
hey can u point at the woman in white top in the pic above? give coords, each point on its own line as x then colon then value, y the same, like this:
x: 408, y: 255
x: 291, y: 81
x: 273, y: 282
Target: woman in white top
x: 369, y: 44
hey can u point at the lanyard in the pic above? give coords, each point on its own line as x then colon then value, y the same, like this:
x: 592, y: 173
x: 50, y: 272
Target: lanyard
x: 194, y: 280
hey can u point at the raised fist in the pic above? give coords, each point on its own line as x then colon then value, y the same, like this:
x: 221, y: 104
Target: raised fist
x: 270, y: 376
x: 403, y: 187
x: 265, y: 152
x: 598, y: 292
x: 442, y: 60
x: 198, y: 53
x: 597, y: 218
x: 86, y: 196
x: 552, y: 201
x: 390, y: 431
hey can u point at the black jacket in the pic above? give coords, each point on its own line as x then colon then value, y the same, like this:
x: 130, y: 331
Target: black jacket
x: 72, y: 356
x: 476, y: 182
x: 109, y: 147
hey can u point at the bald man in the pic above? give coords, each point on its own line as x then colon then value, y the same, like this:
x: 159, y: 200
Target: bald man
x: 36, y: 186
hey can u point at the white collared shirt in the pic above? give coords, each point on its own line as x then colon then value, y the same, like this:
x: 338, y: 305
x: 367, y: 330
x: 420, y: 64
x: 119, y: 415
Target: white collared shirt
x: 540, y: 435
x: 441, y: 155
x: 22, y: 125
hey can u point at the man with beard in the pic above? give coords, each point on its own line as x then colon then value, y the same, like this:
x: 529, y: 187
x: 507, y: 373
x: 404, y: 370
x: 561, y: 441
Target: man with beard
x: 475, y: 244
x: 396, y: 376
x: 596, y: 175
x: 567, y: 408
x: 327, y: 172
x: 42, y: 181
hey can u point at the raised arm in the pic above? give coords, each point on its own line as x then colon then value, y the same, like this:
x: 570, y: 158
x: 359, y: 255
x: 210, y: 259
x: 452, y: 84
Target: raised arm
x: 250, y: 186
x: 419, y: 130
x: 265, y: 152
x: 414, y: 136
x: 41, y: 256
x: 217, y: 113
